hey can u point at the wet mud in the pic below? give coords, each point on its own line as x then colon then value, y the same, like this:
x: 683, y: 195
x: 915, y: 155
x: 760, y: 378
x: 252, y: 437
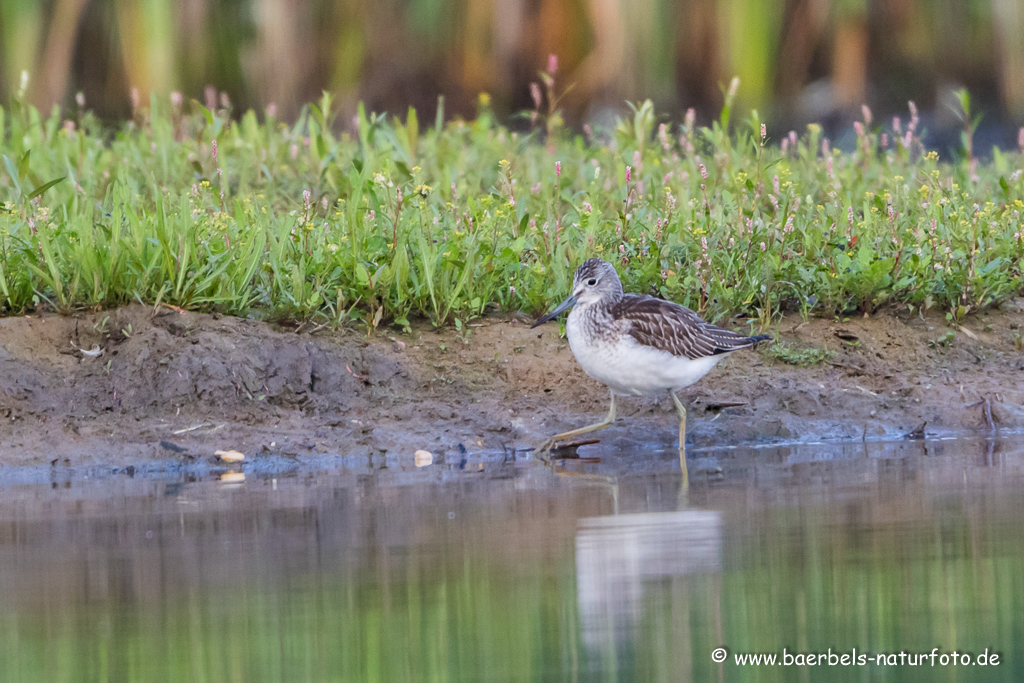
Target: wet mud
x: 134, y: 386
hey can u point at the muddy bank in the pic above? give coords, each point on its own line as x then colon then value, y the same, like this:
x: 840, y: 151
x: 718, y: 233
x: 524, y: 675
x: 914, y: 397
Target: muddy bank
x: 129, y: 386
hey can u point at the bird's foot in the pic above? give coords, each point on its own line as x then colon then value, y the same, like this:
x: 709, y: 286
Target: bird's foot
x: 545, y: 450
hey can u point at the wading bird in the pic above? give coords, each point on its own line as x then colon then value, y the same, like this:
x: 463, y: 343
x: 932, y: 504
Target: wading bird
x: 636, y: 344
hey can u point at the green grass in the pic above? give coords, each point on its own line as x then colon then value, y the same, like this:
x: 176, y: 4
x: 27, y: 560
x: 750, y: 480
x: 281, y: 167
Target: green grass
x: 803, y: 357
x: 400, y: 219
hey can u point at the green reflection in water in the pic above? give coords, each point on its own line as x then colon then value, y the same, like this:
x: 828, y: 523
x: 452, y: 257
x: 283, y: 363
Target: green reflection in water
x: 351, y: 579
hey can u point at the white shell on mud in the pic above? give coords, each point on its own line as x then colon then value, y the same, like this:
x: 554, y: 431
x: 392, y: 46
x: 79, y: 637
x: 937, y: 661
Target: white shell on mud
x: 230, y: 456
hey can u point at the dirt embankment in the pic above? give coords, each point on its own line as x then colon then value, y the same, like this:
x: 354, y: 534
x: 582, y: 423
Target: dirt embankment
x: 170, y: 385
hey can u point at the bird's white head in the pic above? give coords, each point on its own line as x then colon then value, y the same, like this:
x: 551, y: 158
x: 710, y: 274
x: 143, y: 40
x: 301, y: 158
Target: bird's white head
x: 595, y: 280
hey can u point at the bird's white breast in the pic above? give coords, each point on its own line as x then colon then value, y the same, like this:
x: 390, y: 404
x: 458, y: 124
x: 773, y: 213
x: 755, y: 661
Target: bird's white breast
x: 628, y: 367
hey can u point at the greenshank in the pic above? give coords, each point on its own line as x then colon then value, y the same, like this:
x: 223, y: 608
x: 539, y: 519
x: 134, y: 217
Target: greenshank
x: 636, y: 344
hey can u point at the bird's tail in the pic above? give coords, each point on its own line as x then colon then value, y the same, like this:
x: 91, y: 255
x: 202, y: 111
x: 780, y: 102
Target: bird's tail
x: 757, y: 339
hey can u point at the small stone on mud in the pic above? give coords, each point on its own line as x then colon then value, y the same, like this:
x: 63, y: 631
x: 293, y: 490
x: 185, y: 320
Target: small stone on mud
x: 232, y: 478
x: 423, y: 458
x: 230, y: 456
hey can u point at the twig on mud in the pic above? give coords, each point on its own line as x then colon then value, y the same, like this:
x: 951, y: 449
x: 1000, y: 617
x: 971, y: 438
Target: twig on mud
x: 316, y: 328
x: 177, y: 309
x: 866, y: 391
x: 363, y: 377
x: 192, y: 429
x: 851, y: 368
x: 719, y: 405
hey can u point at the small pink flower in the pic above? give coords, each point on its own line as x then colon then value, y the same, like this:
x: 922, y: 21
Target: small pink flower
x: 764, y: 247
x: 535, y: 94
x: 703, y: 172
x: 897, y: 126
x: 213, y: 146
x: 629, y: 173
x: 764, y: 131
x: 552, y: 64
x: 866, y: 112
x: 558, y: 169
x: 372, y: 216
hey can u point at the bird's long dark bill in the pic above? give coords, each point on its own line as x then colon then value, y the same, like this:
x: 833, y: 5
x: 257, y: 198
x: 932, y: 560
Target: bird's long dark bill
x: 561, y: 308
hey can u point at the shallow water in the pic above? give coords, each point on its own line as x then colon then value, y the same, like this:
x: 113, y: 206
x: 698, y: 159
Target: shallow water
x: 333, y: 569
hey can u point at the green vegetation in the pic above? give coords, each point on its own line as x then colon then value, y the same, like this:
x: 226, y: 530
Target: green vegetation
x: 803, y: 357
x: 400, y: 219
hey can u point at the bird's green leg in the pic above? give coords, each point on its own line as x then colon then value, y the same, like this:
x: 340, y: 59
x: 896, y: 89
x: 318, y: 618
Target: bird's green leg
x: 682, y: 438
x: 546, y: 447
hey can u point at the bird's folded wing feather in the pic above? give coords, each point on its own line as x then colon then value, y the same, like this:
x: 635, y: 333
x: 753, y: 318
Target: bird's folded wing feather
x: 667, y: 326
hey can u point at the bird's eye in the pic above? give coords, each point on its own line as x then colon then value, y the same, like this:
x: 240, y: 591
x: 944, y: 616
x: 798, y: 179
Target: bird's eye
x: 592, y: 281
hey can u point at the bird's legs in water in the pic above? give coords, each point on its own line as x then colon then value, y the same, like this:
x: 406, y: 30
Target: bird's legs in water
x: 546, y: 447
x: 682, y: 438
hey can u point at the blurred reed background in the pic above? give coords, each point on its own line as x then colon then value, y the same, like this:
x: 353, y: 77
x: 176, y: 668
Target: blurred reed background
x: 798, y: 60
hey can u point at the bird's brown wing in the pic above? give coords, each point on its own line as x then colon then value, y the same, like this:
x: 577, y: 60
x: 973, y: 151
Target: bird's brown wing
x: 667, y: 326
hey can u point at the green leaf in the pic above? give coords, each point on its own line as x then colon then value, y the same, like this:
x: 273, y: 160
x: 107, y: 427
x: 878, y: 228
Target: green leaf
x: 207, y: 114
x: 44, y: 187
x: 23, y: 164
x: 13, y: 172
